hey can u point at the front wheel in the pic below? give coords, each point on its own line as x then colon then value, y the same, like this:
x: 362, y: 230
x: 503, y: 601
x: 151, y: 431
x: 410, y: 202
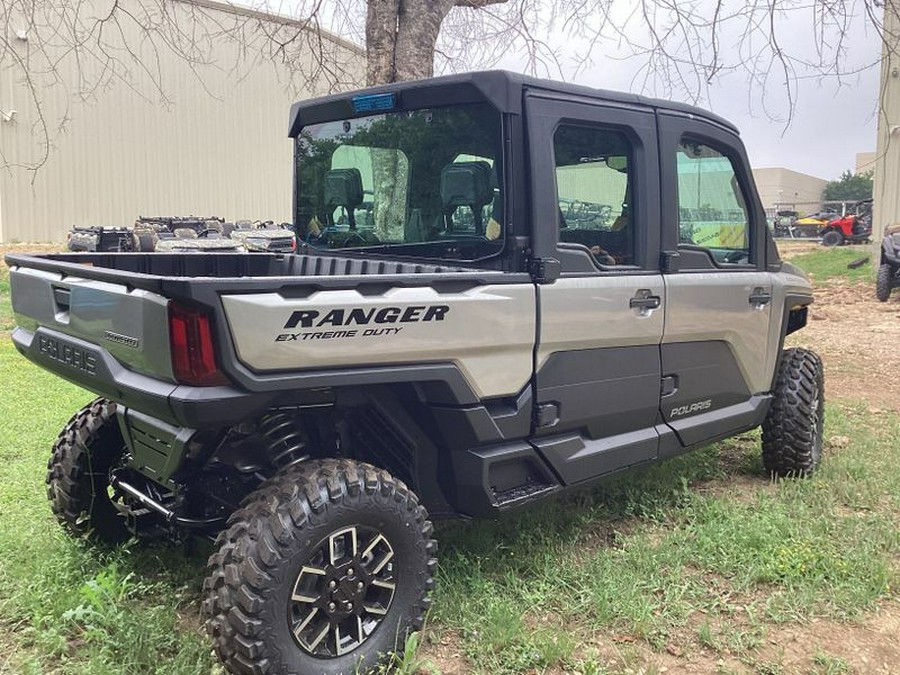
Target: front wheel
x: 832, y: 238
x: 792, y: 430
x: 327, y: 569
x: 883, y: 282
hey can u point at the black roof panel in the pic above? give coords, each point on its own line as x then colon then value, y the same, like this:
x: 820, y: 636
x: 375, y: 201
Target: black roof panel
x: 501, y: 88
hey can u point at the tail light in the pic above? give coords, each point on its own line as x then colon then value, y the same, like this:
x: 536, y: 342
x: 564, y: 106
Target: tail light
x: 193, y: 357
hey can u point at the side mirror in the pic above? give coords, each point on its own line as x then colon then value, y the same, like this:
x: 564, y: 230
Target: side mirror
x: 618, y: 163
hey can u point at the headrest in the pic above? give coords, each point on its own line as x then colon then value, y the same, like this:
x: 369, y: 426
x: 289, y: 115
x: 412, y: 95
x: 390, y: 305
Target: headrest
x: 466, y: 184
x: 185, y: 233
x: 343, y: 187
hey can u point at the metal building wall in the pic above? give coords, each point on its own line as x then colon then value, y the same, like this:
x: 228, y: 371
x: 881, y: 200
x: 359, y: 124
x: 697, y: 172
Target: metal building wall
x: 886, y: 187
x: 216, y: 145
x: 783, y: 187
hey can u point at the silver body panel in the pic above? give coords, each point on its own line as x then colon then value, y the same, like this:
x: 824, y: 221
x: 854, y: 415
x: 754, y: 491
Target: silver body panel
x: 593, y: 312
x: 488, y: 333
x: 715, y: 306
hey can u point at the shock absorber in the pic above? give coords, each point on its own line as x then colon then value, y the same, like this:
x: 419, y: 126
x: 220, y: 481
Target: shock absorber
x: 284, y: 437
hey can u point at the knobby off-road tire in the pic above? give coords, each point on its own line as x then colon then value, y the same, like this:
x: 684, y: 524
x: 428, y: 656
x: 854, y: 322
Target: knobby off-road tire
x: 792, y: 430
x: 78, y: 474
x: 270, y: 588
x: 832, y: 238
x: 883, y: 282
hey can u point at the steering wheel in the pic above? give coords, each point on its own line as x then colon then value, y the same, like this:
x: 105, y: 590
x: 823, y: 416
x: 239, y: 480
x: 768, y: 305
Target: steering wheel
x: 206, y: 233
x: 352, y: 237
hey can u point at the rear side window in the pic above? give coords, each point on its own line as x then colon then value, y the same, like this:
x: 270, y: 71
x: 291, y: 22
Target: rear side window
x: 594, y: 191
x: 712, y: 211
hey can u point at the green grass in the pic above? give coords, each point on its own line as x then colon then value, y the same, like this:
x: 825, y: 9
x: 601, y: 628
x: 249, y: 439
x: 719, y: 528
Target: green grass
x: 702, y: 552
x: 831, y: 263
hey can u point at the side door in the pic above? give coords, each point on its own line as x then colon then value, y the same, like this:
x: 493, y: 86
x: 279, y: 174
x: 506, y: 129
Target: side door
x: 716, y: 354
x: 595, y: 197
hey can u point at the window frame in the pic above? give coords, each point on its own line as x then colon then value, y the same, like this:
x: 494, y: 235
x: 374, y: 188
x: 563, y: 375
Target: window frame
x: 631, y: 184
x: 674, y: 127
x: 735, y: 163
x: 544, y: 113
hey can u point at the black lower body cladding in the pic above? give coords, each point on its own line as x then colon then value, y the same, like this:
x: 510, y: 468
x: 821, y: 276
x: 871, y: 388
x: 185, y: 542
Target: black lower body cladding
x: 92, y: 367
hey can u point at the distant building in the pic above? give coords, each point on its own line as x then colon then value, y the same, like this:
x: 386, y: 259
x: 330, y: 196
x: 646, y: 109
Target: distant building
x: 208, y: 137
x: 781, y: 188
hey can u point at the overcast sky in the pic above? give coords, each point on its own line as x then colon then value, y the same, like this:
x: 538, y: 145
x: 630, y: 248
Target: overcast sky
x: 831, y: 122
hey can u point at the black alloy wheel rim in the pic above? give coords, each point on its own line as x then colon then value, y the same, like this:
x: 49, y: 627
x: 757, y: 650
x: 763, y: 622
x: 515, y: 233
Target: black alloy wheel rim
x: 343, y: 592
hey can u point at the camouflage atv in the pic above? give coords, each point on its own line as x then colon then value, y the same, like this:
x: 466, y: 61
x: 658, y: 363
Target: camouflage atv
x: 186, y: 240
x: 149, y: 231
x: 97, y: 239
x: 266, y: 237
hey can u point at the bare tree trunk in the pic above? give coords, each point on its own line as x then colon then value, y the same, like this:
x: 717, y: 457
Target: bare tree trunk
x: 401, y: 36
x: 381, y: 40
x: 418, y: 25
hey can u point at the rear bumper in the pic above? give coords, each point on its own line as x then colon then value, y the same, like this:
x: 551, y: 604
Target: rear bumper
x: 93, y: 368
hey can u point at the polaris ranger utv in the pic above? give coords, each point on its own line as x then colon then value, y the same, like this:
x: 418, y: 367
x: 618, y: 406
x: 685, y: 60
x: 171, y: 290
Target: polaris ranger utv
x: 444, y: 343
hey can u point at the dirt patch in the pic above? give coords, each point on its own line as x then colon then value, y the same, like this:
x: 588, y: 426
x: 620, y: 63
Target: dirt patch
x: 789, y: 248
x: 857, y: 337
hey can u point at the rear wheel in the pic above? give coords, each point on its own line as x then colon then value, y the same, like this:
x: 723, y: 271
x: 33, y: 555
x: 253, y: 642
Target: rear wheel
x: 883, y: 282
x: 792, y: 430
x: 832, y: 238
x: 78, y: 487
x: 327, y: 568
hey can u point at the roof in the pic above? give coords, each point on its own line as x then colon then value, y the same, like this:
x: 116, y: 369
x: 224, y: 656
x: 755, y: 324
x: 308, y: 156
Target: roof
x: 273, y: 17
x: 501, y: 88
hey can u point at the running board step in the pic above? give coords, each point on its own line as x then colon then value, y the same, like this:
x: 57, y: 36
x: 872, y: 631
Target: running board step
x: 519, y: 495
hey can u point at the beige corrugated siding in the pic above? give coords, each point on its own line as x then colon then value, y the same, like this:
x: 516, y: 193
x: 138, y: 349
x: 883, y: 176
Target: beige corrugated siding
x: 217, y: 146
x: 886, y: 186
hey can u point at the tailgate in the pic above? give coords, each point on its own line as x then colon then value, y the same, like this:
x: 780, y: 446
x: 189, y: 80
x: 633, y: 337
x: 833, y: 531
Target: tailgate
x: 130, y: 324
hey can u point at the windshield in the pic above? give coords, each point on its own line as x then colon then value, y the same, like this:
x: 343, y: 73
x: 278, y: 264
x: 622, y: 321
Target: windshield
x: 419, y: 183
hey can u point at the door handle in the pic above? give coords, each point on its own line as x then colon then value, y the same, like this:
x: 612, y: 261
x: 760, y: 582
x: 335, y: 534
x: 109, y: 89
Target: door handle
x: 643, y: 300
x: 760, y: 297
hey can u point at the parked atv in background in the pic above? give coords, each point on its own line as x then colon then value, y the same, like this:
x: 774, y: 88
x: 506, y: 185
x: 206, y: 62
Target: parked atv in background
x: 149, y: 231
x: 97, y: 239
x: 811, y: 225
x: 265, y: 237
x: 783, y: 223
x: 852, y: 228
x: 888, y: 277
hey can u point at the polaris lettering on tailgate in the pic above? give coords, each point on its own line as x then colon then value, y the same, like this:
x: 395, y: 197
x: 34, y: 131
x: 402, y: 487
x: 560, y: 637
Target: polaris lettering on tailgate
x: 65, y: 353
x: 358, y: 316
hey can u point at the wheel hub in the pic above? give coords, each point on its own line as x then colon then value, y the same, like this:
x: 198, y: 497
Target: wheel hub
x: 343, y: 592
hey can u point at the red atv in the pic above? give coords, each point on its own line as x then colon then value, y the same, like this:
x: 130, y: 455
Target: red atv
x: 852, y: 228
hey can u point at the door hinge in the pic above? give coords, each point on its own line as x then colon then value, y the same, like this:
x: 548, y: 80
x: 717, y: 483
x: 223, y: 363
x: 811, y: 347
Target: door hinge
x: 546, y: 415
x: 669, y: 262
x: 544, y: 270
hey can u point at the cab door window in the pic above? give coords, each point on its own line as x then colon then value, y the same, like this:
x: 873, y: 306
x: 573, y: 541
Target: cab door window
x: 712, y: 210
x: 594, y: 192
